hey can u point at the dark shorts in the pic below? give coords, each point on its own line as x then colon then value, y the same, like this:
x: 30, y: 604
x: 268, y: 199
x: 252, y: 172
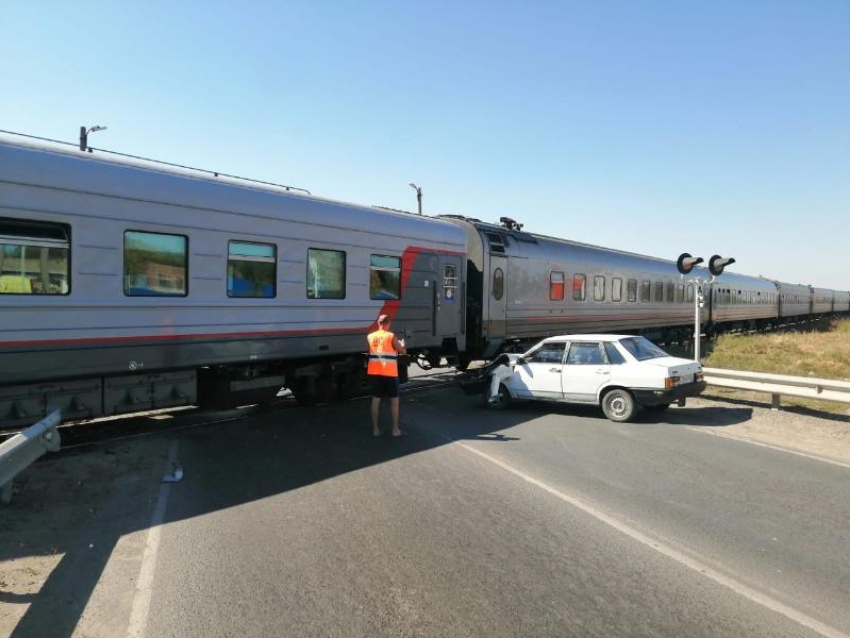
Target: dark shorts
x: 384, y: 387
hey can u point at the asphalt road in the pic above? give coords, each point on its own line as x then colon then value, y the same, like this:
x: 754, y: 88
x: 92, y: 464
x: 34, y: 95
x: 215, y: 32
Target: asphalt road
x: 534, y: 521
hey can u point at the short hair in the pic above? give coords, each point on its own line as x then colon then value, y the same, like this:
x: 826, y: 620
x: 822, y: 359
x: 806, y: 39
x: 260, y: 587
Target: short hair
x: 384, y: 320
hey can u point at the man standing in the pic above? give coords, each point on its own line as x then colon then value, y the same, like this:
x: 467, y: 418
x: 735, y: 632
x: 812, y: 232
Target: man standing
x: 384, y: 349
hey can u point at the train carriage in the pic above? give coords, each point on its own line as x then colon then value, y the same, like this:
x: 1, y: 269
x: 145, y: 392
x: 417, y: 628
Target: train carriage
x: 125, y: 287
x: 842, y: 301
x: 795, y: 301
x: 822, y: 301
x: 739, y: 300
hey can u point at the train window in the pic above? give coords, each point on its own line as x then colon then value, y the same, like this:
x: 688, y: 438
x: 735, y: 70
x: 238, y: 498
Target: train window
x: 556, y: 286
x: 498, y: 284
x: 449, y: 282
x: 599, y: 288
x: 155, y: 264
x: 645, y: 290
x: 690, y: 293
x: 616, y: 289
x: 680, y: 293
x: 34, y: 258
x: 632, y: 290
x: 251, y: 269
x: 658, y: 292
x: 671, y: 292
x: 579, y: 285
x: 384, y: 277
x: 325, y: 274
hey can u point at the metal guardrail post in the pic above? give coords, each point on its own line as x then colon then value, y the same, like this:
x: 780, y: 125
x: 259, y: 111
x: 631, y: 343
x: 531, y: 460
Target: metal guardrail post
x: 24, y: 448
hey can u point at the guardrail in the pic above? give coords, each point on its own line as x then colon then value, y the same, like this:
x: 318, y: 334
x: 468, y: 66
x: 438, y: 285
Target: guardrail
x: 24, y: 448
x: 778, y: 384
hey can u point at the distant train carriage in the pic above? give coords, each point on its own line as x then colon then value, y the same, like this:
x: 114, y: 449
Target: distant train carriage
x: 794, y: 301
x: 842, y: 301
x: 739, y: 300
x: 822, y: 301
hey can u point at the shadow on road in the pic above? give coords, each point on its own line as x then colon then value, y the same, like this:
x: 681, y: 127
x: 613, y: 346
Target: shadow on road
x: 110, y: 491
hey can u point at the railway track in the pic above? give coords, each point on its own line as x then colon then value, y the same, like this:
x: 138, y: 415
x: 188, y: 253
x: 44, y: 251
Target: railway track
x: 81, y: 434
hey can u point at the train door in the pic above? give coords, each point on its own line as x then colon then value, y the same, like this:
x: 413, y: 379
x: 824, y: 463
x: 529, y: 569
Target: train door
x: 447, y: 298
x: 498, y: 296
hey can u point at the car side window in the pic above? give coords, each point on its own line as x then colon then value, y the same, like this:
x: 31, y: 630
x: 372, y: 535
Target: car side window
x: 587, y: 354
x: 547, y: 353
x: 614, y: 355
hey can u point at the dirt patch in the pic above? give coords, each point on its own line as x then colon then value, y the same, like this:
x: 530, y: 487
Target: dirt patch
x: 799, y: 429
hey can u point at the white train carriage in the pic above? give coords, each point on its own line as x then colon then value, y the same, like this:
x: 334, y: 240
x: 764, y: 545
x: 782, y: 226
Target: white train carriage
x: 842, y: 301
x: 795, y: 301
x: 121, y: 283
x: 822, y: 301
x: 739, y: 300
x: 523, y: 287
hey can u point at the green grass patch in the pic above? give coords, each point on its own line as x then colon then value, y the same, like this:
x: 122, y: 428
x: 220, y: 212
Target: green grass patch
x: 823, y: 354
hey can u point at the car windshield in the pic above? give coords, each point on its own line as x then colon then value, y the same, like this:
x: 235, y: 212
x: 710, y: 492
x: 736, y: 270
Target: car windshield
x: 642, y: 349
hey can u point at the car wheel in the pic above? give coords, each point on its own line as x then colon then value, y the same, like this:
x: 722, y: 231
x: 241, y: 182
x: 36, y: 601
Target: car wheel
x: 619, y: 405
x: 657, y: 408
x: 498, y: 402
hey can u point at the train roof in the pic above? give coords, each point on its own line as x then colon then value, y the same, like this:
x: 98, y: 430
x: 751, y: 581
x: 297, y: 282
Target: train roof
x: 66, y: 167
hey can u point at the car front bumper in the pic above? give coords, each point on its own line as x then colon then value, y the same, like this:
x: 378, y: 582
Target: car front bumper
x: 657, y: 397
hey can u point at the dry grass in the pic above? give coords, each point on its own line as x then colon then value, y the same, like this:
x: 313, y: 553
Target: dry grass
x: 824, y: 355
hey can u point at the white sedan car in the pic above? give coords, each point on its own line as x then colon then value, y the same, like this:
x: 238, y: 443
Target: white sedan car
x: 617, y: 372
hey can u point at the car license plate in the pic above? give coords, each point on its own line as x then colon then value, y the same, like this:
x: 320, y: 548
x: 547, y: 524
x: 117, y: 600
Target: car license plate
x: 687, y: 378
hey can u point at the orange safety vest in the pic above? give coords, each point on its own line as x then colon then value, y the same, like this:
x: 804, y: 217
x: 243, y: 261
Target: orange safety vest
x: 383, y: 357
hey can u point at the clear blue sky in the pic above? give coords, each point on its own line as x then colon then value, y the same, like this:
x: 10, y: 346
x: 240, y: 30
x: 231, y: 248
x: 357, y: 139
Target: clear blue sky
x: 649, y: 126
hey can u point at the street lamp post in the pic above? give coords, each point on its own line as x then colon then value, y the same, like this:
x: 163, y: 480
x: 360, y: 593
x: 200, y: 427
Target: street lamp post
x: 418, y: 195
x: 686, y: 264
x: 84, y: 136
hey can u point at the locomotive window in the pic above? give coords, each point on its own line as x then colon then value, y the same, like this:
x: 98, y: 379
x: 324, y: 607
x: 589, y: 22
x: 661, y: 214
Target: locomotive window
x: 632, y: 290
x: 556, y: 286
x: 616, y: 289
x: 658, y: 294
x: 384, y: 277
x: 498, y: 284
x: 449, y: 282
x: 325, y: 274
x: 680, y: 293
x: 579, y: 285
x: 645, y: 290
x: 33, y: 258
x: 671, y: 292
x: 155, y: 264
x: 251, y: 269
x: 599, y: 288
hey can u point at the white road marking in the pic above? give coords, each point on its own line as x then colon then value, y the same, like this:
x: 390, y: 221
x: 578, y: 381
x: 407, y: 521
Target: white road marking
x: 778, y: 448
x: 144, y: 583
x: 681, y: 558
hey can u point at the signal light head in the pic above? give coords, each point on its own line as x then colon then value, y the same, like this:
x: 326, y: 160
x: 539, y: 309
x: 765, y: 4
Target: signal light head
x: 717, y: 263
x: 686, y: 263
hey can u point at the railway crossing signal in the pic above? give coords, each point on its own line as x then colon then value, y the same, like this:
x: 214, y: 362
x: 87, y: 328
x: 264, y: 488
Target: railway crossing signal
x: 685, y: 265
x: 717, y: 263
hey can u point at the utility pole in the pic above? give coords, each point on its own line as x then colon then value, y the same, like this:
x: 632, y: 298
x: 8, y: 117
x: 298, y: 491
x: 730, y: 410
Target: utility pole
x: 418, y: 195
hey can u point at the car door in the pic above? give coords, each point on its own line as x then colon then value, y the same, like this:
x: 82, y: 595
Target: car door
x: 538, y: 375
x: 586, y: 370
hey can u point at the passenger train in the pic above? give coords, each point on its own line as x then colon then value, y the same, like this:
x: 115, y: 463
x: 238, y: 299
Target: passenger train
x: 126, y: 285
